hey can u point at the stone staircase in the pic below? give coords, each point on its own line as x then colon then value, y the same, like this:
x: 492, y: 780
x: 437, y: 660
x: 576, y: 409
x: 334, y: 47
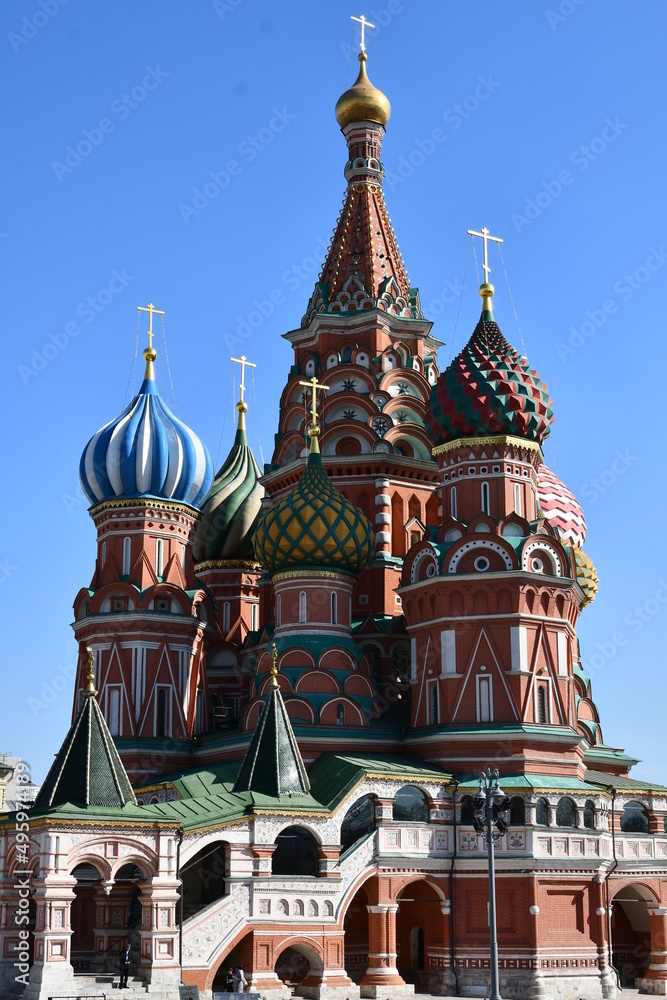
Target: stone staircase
x: 106, y: 984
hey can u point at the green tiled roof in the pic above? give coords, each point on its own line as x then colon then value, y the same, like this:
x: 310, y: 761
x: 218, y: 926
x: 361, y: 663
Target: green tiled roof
x: 623, y: 784
x: 87, y: 770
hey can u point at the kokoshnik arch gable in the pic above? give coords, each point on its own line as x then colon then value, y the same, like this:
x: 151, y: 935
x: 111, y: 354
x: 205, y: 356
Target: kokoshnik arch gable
x: 289, y: 679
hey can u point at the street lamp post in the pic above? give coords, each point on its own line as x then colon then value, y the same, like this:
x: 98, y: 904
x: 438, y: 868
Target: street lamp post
x: 490, y: 818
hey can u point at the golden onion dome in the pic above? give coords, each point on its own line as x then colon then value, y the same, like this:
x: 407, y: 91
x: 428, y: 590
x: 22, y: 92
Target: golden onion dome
x: 363, y: 101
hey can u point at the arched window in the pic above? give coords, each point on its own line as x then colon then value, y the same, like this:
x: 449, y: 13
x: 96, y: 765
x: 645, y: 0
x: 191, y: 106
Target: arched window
x: 452, y: 501
x: 183, y: 552
x: 159, y: 556
x: 346, y: 355
x: 589, y: 815
x: 517, y: 498
x: 104, y: 552
x: 410, y: 805
x: 114, y: 711
x: 566, y: 813
x: 517, y: 811
x: 161, y: 722
x: 204, y: 877
x: 542, y: 813
x: 279, y: 609
x: 296, y: 853
x: 253, y: 617
x: 226, y: 608
x: 466, y: 810
x: 359, y: 821
x: 542, y: 703
x: 302, y: 607
x: 127, y: 555
x: 634, y: 818
x: 485, y: 499
x: 340, y: 715
x: 334, y: 608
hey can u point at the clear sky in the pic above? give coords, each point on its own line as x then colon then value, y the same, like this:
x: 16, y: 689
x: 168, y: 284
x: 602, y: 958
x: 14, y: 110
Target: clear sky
x: 544, y: 121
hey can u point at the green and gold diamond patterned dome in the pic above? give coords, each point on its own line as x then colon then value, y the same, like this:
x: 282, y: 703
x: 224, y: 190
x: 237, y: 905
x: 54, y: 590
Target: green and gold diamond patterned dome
x: 314, y: 527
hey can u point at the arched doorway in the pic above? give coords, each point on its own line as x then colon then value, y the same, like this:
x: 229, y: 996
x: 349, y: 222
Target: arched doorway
x: 83, y: 916
x: 204, y: 878
x: 420, y: 931
x: 631, y: 932
x: 298, y: 966
x: 238, y: 956
x: 355, y: 928
x: 296, y: 853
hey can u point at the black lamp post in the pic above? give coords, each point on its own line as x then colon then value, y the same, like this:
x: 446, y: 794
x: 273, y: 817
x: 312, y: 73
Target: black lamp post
x: 490, y: 806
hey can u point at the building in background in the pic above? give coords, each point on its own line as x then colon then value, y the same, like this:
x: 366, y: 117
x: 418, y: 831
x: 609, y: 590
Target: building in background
x: 296, y: 675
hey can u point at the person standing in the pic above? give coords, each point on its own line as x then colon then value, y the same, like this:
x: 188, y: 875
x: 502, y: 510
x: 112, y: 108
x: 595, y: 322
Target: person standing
x: 240, y: 981
x: 125, y: 963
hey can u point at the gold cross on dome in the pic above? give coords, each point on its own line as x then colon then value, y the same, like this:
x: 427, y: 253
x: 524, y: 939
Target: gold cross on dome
x: 485, y: 237
x: 244, y: 364
x: 364, y: 24
x: 150, y: 309
x: 314, y: 386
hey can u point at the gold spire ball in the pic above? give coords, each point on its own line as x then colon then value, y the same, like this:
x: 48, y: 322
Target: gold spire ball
x: 363, y: 101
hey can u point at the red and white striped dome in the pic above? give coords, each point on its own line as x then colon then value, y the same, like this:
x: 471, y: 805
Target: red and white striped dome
x: 561, y: 508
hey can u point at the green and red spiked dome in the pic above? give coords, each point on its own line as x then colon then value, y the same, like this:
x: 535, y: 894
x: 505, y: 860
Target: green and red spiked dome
x: 489, y: 389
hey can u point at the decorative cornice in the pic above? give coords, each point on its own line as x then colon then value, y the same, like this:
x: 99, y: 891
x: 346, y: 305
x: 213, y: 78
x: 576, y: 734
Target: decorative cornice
x: 469, y: 442
x: 144, y: 503
x: 249, y: 564
x: 313, y: 574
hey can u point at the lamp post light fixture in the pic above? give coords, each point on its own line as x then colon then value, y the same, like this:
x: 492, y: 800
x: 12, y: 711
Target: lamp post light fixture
x: 490, y: 806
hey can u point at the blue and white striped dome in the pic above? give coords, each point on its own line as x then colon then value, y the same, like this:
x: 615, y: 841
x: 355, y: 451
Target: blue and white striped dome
x: 146, y: 452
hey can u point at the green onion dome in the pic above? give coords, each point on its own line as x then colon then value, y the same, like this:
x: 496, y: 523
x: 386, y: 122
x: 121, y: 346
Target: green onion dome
x: 314, y: 526
x: 489, y: 389
x: 234, y: 502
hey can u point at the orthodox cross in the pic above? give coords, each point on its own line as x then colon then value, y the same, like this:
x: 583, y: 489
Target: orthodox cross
x: 364, y: 24
x: 485, y: 237
x: 150, y: 309
x: 315, y: 385
x: 244, y: 364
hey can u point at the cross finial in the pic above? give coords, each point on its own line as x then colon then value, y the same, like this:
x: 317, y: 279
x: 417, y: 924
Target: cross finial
x: 364, y: 24
x: 486, y: 289
x: 90, y: 691
x: 150, y: 353
x: 274, y: 666
x: 242, y: 406
x: 314, y: 430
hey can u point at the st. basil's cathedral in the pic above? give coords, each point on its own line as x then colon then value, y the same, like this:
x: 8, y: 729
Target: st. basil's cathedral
x: 290, y: 679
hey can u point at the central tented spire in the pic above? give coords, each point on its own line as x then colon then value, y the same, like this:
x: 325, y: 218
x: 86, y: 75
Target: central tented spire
x: 364, y: 268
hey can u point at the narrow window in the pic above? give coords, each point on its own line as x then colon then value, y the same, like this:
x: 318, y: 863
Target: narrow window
x: 183, y: 557
x: 340, y: 715
x: 484, y: 699
x: 253, y: 617
x: 225, y: 617
x: 517, y: 498
x: 114, y: 711
x: 161, y: 713
x: 104, y: 552
x: 435, y: 712
x: 542, y: 813
x: 334, y: 609
x: 127, y: 555
x: 278, y: 609
x: 542, y: 703
x: 302, y: 607
x: 485, y: 499
x: 452, y: 501
x: 159, y: 556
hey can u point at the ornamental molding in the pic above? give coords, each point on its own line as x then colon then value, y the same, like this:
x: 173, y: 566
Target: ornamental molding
x: 145, y: 504
x: 496, y: 439
x: 312, y: 574
x: 247, y: 564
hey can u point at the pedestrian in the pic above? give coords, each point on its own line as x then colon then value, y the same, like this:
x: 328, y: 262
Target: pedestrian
x: 125, y: 963
x: 229, y: 980
x: 240, y: 981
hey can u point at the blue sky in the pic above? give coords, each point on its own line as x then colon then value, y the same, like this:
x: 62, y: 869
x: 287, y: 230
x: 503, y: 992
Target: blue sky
x: 549, y: 129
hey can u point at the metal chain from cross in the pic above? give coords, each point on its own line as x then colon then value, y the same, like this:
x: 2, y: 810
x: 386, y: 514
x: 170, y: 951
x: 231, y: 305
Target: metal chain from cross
x: 485, y: 237
x: 364, y: 24
x: 150, y: 309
